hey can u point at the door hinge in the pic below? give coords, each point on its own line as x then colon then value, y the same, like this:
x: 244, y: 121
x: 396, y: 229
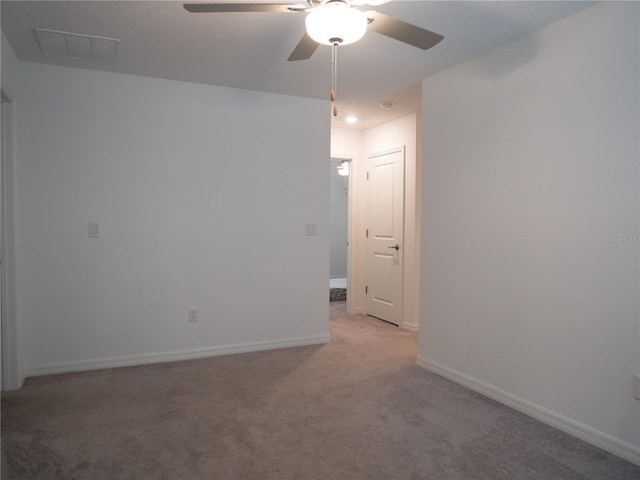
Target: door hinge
x: 367, y: 175
x: 366, y: 289
x: 367, y: 233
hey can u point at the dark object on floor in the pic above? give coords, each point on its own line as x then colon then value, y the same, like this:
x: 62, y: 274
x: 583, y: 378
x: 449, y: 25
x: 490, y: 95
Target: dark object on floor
x: 337, y: 294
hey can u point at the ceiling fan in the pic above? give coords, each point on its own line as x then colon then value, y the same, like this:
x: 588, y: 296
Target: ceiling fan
x: 331, y: 22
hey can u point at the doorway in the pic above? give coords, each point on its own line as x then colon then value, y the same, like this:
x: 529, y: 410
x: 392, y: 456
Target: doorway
x: 10, y: 368
x: 339, y: 180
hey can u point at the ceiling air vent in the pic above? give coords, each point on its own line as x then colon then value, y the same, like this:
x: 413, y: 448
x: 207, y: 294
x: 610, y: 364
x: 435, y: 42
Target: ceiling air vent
x: 75, y: 46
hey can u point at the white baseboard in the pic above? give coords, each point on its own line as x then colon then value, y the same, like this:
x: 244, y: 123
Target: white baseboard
x: 583, y: 432
x: 148, y: 358
x: 412, y: 327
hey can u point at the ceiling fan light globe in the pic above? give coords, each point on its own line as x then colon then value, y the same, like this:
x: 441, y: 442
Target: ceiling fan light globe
x: 336, y: 21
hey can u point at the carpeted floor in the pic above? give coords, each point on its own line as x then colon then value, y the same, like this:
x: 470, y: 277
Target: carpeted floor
x: 356, y: 408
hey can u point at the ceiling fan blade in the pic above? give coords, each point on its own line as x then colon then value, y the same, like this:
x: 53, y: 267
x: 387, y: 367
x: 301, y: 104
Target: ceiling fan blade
x: 243, y: 7
x: 304, y: 49
x: 403, y: 31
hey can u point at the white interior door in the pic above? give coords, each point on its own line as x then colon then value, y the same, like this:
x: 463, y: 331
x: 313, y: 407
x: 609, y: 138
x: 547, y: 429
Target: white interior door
x: 385, y: 223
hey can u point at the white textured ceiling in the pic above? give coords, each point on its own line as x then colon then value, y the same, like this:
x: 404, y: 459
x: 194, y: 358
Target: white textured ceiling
x: 250, y: 50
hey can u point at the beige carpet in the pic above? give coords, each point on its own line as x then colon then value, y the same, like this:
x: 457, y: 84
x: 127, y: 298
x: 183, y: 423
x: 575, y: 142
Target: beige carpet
x: 356, y: 408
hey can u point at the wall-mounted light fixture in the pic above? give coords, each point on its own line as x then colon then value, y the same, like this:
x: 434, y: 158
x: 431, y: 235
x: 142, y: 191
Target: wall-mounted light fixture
x: 343, y: 168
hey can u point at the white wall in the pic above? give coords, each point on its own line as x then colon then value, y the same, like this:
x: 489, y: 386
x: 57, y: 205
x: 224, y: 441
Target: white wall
x: 8, y: 68
x: 530, y: 259
x: 396, y: 133
x: 202, y: 194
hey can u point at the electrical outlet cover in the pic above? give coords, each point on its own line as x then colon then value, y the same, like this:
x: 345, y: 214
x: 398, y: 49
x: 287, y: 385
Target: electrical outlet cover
x: 94, y: 230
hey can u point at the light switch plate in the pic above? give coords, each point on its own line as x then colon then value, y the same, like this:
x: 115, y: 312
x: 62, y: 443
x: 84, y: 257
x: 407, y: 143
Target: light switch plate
x: 311, y: 229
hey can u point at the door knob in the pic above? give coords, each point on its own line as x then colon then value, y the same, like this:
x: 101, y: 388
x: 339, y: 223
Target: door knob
x: 396, y: 246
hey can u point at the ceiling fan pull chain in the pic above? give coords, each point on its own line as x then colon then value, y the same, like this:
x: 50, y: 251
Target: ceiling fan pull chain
x: 334, y: 76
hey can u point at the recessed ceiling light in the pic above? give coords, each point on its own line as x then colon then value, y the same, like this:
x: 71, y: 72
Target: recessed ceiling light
x: 351, y: 119
x: 76, y: 46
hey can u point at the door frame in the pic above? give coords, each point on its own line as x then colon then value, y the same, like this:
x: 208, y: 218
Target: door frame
x: 10, y: 354
x: 351, y: 266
